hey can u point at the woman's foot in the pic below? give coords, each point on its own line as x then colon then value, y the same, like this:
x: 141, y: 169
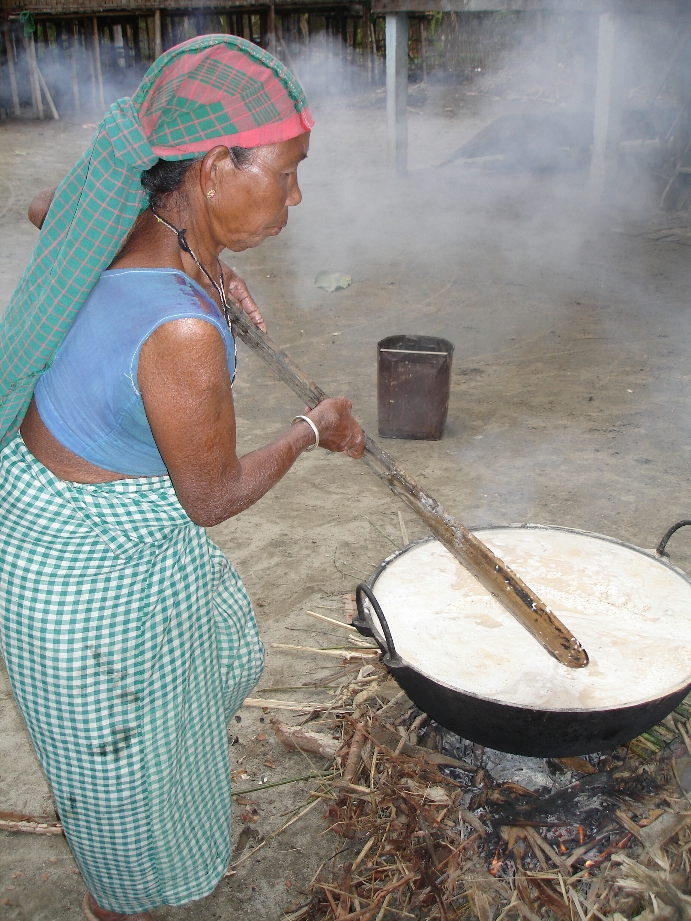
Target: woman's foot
x: 93, y: 912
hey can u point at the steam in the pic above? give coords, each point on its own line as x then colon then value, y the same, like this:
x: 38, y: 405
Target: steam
x: 515, y: 141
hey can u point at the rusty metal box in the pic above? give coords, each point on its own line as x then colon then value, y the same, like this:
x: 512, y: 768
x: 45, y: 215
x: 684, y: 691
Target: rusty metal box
x: 413, y: 385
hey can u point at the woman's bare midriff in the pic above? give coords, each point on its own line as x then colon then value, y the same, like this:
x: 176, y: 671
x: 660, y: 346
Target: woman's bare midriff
x: 56, y: 457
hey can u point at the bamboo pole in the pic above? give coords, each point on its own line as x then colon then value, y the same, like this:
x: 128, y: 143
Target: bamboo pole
x: 170, y: 38
x: 373, y: 51
x: 471, y: 553
x: 271, y: 29
x: 148, y: 25
x: 74, y: 44
x: 423, y: 49
x: 33, y: 75
x: 365, y: 32
x: 9, y: 43
x: 46, y: 93
x: 97, y: 62
x: 135, y: 29
x: 92, y: 70
x: 158, y: 39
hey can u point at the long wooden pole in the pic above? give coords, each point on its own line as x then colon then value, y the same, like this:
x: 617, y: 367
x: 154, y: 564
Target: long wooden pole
x: 475, y: 556
x: 97, y: 62
x: 10, y: 66
x: 46, y: 92
x: 158, y: 37
x: 74, y: 48
x: 33, y: 74
x: 271, y: 29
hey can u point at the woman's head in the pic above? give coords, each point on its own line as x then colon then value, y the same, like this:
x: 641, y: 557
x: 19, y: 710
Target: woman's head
x: 194, y: 106
x: 245, y: 205
x: 242, y: 194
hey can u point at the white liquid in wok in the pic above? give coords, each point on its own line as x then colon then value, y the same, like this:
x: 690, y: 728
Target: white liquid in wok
x: 631, y: 613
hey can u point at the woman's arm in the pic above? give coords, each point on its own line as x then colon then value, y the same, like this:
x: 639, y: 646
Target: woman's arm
x: 185, y: 386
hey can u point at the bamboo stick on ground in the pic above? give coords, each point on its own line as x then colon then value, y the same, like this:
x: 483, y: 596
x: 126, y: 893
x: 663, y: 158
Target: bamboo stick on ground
x: 282, y: 705
x: 491, y: 572
x: 348, y: 654
x: 330, y: 620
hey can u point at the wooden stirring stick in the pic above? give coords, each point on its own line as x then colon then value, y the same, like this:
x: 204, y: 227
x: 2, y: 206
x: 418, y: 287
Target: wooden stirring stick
x: 470, y: 552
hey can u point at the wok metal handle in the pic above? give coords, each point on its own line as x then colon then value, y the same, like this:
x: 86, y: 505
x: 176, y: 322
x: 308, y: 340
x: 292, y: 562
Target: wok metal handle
x: 363, y: 623
x: 660, y: 549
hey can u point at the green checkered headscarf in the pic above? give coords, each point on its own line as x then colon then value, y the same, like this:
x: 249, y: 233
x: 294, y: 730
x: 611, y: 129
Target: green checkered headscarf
x: 218, y: 89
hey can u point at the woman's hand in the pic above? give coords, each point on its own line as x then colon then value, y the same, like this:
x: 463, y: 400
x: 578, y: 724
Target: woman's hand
x: 236, y: 289
x: 338, y: 430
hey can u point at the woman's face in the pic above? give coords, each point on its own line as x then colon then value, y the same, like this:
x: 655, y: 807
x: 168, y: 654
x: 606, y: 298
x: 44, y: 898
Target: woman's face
x: 251, y: 202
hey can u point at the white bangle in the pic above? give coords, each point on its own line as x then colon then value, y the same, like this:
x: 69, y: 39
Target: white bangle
x: 312, y: 426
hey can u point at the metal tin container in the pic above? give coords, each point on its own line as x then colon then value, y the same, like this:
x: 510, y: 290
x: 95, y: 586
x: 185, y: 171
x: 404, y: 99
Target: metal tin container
x: 413, y: 386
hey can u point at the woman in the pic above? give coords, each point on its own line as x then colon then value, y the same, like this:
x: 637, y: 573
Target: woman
x: 128, y: 637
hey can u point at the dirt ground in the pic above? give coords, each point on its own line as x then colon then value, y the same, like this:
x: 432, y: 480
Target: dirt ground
x: 569, y: 406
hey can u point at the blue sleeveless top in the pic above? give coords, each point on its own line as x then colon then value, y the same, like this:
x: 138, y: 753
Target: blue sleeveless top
x: 88, y: 398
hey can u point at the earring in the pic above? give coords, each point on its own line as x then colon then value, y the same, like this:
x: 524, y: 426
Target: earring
x: 211, y: 194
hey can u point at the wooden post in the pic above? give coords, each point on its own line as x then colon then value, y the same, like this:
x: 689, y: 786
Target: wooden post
x: 136, y: 41
x: 158, y: 40
x: 92, y: 68
x: 367, y: 49
x: 149, y: 24
x: 169, y: 40
x: 46, y: 93
x: 97, y: 64
x: 127, y: 43
x: 606, y: 120
x: 74, y: 44
x: 423, y: 49
x: 271, y: 29
x: 33, y: 75
x: 397, y: 91
x: 9, y: 44
x: 118, y: 45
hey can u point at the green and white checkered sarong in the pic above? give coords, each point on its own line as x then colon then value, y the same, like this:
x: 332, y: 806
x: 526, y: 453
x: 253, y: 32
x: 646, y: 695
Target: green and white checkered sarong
x: 130, y: 642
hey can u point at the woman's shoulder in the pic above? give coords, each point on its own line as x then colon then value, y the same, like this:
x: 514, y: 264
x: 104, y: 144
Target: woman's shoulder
x: 146, y: 290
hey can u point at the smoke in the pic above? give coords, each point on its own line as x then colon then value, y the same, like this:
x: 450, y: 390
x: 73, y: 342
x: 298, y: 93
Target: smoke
x: 556, y: 307
x: 505, y: 147
x: 69, y: 67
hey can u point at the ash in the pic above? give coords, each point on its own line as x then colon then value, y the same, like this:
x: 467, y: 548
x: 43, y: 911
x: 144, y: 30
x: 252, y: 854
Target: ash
x: 537, y: 775
x: 557, y: 796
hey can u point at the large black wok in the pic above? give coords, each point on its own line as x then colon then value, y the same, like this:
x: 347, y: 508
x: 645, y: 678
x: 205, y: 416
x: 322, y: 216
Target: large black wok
x: 537, y: 731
